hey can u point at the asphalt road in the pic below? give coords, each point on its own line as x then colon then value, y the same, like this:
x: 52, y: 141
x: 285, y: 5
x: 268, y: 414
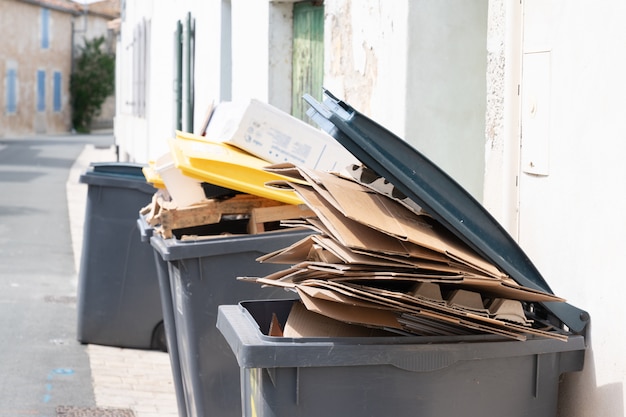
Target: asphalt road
x: 42, y: 366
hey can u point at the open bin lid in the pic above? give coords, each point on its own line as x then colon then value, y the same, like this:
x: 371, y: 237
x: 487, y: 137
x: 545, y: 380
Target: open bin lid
x: 415, y: 176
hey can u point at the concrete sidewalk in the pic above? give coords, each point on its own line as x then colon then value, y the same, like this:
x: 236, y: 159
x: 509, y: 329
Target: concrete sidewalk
x: 139, y: 380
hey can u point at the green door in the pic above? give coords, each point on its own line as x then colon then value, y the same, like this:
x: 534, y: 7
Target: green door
x: 308, y: 54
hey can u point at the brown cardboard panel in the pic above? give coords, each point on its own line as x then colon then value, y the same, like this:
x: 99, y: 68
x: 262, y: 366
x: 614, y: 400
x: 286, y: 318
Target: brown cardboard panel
x: 369, y: 274
x: 505, y: 289
x: 469, y: 318
x: 430, y: 291
x: 349, y: 256
x: 314, y: 179
x: 336, y: 295
x: 358, y: 203
x: 462, y: 324
x: 303, y: 322
x: 318, y: 225
x: 467, y: 300
x: 412, y: 305
x: 298, y: 273
x: 508, y: 310
x: 388, y: 216
x: 295, y: 253
x: 351, y: 313
x: 275, y: 328
x: 373, y: 181
x: 413, y: 256
x: 349, y: 232
x: 339, y: 274
x: 286, y: 169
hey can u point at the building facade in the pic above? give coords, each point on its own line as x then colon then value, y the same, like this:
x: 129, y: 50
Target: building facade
x: 39, y: 39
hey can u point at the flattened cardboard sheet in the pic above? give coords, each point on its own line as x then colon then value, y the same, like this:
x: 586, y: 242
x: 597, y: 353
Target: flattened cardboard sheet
x: 372, y: 180
x: 385, y: 215
x: 349, y: 232
x: 470, y: 323
x: 354, y: 314
x: 305, y: 322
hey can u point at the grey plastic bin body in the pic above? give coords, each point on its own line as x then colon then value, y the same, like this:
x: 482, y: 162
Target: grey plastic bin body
x: 469, y: 376
x: 203, y: 275
x: 146, y: 232
x: 118, y: 293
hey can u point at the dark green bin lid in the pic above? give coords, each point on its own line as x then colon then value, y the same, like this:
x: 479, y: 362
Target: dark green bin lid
x: 132, y: 170
x: 423, y: 182
x: 117, y: 174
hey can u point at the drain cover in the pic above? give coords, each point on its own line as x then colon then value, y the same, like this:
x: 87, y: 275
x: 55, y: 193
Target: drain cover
x: 69, y: 411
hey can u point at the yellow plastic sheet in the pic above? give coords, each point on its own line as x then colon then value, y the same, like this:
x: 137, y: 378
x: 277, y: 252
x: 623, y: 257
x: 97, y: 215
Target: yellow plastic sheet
x: 152, y: 176
x: 227, y: 166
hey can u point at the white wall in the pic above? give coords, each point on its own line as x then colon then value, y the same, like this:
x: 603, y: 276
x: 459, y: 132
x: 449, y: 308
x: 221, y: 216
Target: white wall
x: 250, y: 49
x: 365, y: 58
x: 418, y: 68
x: 261, y: 51
x: 143, y: 139
x: 570, y: 219
x: 238, y: 55
x: 446, y: 100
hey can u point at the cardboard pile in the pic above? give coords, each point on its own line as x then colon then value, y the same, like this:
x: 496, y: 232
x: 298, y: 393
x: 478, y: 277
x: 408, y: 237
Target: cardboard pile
x: 380, y: 261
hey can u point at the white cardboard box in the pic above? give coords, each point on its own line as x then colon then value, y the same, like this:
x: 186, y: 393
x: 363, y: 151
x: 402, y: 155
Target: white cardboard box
x: 274, y: 135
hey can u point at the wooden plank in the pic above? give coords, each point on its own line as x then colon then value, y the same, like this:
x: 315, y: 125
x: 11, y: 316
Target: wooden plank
x: 165, y: 217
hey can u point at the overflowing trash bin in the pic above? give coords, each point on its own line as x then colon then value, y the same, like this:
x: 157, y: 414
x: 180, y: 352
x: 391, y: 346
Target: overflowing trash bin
x: 413, y: 300
x: 209, y: 220
x: 118, y: 293
x: 202, y: 274
x: 146, y: 232
x: 391, y: 375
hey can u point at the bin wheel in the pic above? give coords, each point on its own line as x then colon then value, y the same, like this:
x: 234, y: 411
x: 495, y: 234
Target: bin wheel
x: 159, y: 339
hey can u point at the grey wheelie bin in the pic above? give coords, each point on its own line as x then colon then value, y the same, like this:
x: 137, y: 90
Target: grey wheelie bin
x: 118, y: 292
x: 472, y: 376
x: 146, y: 232
x: 410, y: 375
x: 202, y: 275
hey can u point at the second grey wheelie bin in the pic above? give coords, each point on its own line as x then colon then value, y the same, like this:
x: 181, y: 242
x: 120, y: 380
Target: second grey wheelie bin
x: 203, y: 275
x: 146, y: 231
x: 118, y: 292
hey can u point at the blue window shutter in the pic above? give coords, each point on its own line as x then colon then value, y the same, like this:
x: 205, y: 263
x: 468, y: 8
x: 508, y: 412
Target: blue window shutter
x: 11, y: 90
x: 41, y: 90
x: 45, y: 28
x: 56, y: 99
